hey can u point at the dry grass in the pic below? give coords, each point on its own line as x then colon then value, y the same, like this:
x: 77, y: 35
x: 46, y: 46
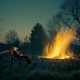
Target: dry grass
x: 44, y: 69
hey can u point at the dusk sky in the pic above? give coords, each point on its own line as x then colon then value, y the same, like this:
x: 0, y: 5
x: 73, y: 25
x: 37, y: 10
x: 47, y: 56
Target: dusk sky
x: 22, y: 15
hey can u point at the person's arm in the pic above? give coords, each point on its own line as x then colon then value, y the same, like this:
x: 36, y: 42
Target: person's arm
x: 5, y: 53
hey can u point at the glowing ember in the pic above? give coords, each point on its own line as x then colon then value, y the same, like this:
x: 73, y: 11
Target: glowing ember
x: 58, y: 48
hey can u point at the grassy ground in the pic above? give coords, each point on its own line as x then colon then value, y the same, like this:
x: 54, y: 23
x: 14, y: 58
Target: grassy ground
x: 42, y: 69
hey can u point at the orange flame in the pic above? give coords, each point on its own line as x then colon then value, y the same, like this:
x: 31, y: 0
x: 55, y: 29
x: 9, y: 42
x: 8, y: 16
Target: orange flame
x: 59, y: 46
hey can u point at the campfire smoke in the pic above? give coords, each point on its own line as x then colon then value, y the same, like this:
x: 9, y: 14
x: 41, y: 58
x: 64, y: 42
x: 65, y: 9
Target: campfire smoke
x: 58, y: 48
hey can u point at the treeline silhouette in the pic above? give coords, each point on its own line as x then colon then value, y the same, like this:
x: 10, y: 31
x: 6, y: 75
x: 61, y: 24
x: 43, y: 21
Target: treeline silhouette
x: 33, y: 45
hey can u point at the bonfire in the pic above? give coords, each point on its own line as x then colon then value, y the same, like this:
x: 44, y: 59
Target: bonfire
x: 59, y: 47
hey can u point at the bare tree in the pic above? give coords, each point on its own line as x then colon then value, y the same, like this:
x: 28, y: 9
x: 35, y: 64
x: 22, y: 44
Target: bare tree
x: 71, y: 9
x: 68, y: 16
x: 11, y: 38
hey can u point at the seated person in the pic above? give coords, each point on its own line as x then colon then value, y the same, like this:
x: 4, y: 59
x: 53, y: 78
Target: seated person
x: 16, y: 53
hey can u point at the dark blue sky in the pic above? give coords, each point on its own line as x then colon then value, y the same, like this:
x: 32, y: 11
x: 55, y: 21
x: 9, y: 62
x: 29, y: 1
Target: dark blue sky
x: 22, y: 15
